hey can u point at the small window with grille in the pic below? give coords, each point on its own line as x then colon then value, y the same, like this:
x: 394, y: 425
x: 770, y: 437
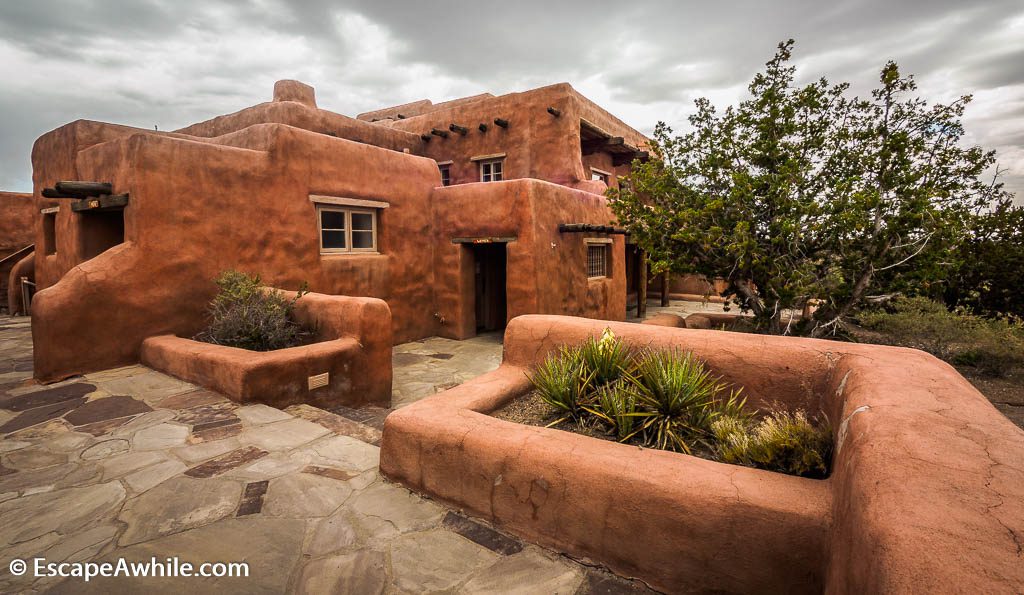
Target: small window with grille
x: 597, y: 258
x: 446, y: 174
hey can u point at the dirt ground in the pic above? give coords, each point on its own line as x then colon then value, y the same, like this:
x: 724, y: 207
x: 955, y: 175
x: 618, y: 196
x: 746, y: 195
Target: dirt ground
x: 1007, y: 394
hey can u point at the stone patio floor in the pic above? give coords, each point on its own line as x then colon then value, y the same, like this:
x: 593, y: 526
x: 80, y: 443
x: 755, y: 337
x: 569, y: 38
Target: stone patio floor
x: 130, y: 463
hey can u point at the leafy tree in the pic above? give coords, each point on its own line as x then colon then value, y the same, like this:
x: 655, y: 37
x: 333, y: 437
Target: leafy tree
x: 801, y: 192
x: 989, y: 266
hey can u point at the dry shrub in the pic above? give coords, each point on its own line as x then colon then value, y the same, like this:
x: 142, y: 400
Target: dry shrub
x: 248, y: 315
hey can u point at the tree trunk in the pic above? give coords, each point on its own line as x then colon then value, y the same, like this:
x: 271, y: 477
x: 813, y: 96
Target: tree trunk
x: 665, y: 280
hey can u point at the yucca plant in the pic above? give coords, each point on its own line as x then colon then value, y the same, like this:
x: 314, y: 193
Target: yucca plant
x: 562, y: 382
x: 606, y: 358
x: 615, y: 404
x: 680, y: 393
x: 782, y: 441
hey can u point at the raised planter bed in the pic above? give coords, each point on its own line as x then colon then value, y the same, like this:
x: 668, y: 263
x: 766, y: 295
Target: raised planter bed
x: 352, y: 347
x: 926, y: 492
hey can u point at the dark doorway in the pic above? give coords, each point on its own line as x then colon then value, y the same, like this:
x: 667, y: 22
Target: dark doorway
x: 100, y: 231
x: 489, y: 277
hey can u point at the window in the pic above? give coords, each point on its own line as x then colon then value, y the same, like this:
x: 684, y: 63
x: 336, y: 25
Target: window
x: 491, y: 171
x: 50, y: 232
x: 597, y: 257
x: 446, y: 174
x: 599, y: 176
x: 347, y: 230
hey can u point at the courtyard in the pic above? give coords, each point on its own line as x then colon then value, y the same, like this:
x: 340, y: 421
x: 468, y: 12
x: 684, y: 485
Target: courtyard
x: 131, y: 463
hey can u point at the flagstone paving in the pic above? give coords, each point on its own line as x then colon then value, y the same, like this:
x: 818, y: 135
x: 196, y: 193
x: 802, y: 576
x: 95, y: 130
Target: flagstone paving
x: 130, y: 463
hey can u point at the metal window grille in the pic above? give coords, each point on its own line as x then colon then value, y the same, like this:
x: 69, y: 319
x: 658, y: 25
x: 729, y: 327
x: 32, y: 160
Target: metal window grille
x: 597, y: 260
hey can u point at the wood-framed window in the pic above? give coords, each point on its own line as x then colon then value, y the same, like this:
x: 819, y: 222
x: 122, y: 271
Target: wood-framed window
x: 347, y: 229
x: 492, y: 170
x: 446, y: 173
x: 600, y: 176
x: 598, y: 255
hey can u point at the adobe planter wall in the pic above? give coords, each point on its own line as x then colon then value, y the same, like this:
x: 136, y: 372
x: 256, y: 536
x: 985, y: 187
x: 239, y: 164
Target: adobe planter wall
x: 926, y: 493
x: 353, y: 348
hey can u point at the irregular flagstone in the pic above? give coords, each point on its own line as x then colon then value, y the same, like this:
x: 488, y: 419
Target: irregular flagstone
x: 398, y: 506
x: 481, y: 534
x: 330, y: 535
x: 70, y: 442
x: 601, y: 581
x: 63, y: 511
x: 51, y: 396
x: 435, y: 560
x: 116, y: 373
x: 197, y: 453
x: 177, y: 505
x: 270, y: 546
x: 255, y: 415
x: 301, y: 495
x: 220, y: 432
x: 34, y: 458
x: 146, y: 420
x: 39, y: 415
x: 85, y: 473
x: 148, y: 385
x: 329, y: 472
x: 193, y: 398
x: 269, y: 467
x: 129, y: 462
x: 337, y: 424
x: 226, y: 461
x: 346, y: 453
x: 105, y: 427
x: 363, y: 572
x: 219, y: 411
x: 252, y: 498
x: 83, y: 545
x: 144, y: 479
x: 8, y: 445
x: 107, y: 408
x: 43, y: 431
x: 159, y: 437
x: 17, y: 482
x: 283, y: 435
x: 104, y: 449
x: 525, y: 573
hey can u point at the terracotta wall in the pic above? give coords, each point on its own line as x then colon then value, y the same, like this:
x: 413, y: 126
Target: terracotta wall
x: 200, y: 206
x: 536, y: 144
x: 17, y: 230
x: 546, y: 269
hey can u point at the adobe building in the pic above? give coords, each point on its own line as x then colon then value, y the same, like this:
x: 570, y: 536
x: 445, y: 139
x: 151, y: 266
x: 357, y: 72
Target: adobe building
x: 459, y: 215
x: 17, y: 222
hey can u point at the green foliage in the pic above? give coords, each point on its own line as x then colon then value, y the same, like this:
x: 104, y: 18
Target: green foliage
x: 804, y: 192
x: 988, y: 268
x: 994, y: 346
x: 668, y: 399
x: 247, y: 315
x: 562, y: 381
x: 781, y: 441
x: 679, y: 392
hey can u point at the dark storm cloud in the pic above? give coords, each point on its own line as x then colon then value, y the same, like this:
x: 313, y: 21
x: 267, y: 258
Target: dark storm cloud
x: 172, y: 62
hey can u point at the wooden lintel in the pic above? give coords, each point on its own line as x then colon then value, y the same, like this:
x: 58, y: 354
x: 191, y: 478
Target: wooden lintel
x: 500, y: 122
x: 100, y: 203
x: 438, y: 132
x: 485, y: 240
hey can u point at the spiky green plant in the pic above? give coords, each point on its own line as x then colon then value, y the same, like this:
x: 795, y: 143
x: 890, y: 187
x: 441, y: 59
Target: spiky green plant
x: 606, y: 358
x: 615, y: 404
x: 562, y: 382
x: 679, y: 393
x: 783, y: 441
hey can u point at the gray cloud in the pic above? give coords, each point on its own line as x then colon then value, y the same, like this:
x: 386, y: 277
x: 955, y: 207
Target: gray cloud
x: 172, y: 62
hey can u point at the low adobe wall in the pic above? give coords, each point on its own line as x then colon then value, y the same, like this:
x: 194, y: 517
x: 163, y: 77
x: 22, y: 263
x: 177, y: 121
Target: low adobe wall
x: 926, y: 493
x: 353, y: 348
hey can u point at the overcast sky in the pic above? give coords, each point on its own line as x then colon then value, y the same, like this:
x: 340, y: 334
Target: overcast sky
x: 174, y: 62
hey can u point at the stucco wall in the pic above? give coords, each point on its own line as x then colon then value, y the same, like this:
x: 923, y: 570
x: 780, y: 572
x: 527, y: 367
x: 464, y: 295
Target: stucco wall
x: 17, y: 222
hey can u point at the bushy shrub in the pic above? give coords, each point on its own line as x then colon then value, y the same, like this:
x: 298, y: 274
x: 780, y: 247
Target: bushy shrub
x: 668, y: 399
x: 994, y: 346
x: 247, y: 315
x: 781, y: 441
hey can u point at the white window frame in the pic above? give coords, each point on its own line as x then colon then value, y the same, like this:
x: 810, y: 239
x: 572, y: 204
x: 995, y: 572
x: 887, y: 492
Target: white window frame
x: 601, y: 175
x: 489, y: 175
x: 604, y: 243
x: 348, y: 211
